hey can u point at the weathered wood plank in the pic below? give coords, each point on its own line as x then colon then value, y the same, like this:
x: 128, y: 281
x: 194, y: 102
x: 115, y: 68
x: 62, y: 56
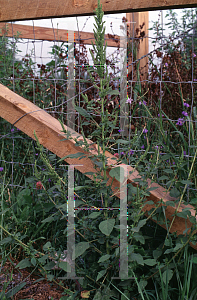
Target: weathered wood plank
x: 48, y: 34
x: 13, y: 10
x: 49, y: 132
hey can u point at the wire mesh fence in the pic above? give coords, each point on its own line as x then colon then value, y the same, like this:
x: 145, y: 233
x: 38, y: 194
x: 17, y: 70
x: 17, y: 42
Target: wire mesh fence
x: 156, y: 92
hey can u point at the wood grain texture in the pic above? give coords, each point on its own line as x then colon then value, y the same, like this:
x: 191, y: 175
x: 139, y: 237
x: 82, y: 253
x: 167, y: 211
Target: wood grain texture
x: 13, y: 10
x: 49, y: 132
x: 48, y: 34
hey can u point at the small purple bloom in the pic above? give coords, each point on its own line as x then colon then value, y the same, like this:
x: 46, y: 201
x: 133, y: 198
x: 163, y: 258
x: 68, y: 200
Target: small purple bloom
x: 195, y: 79
x: 167, y: 161
x: 140, y: 103
x: 144, y: 137
x: 49, y: 179
x: 120, y: 130
x: 122, y: 153
x: 142, y: 147
x: 156, y: 147
x: 186, y: 104
x: 159, y: 115
x: 129, y: 100
x: 166, y: 64
x: 1, y: 169
x: 144, y: 102
x: 184, y: 113
x: 131, y: 152
x: 36, y: 154
x: 12, y: 130
x: 173, y: 162
x: 18, y: 129
x: 145, y: 130
x: 194, y: 55
x: 43, y: 169
x: 180, y: 122
x: 184, y: 152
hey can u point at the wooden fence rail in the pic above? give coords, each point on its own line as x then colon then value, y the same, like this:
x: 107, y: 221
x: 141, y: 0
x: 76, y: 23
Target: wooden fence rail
x: 49, y: 132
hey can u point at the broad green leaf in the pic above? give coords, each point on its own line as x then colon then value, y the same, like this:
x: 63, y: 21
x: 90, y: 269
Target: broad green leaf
x: 140, y: 224
x: 48, y: 220
x: 150, y: 262
x: 139, y: 237
x: 47, y: 246
x: 94, y: 215
x: 157, y: 253
x: 136, y: 257
x: 74, y: 155
x: 80, y: 248
x: 107, y: 226
x: 195, y: 260
x: 98, y: 296
x: 120, y: 141
x: 24, y: 263
x: 33, y: 261
x: 167, y: 276
x: 64, y: 265
x: 15, y: 290
x: 118, y: 173
x: 163, y: 178
x: 186, y: 182
x: 104, y: 258
x: 50, y: 265
x: 114, y: 92
x: 83, y: 112
x: 6, y: 240
x: 100, y: 274
x: 174, y: 193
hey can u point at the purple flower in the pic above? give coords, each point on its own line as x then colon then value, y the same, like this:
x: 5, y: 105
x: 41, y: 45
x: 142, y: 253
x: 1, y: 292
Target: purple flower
x: 36, y: 154
x: 120, y: 130
x: 142, y: 147
x: 184, y: 113
x: 159, y: 115
x: 195, y: 79
x: 129, y: 100
x: 49, y: 179
x: 140, y: 103
x: 184, y: 152
x: 131, y: 152
x: 12, y: 130
x: 1, y: 169
x: 156, y: 147
x: 18, y: 129
x: 194, y: 55
x: 180, y: 122
x: 166, y: 64
x: 122, y: 153
x: 144, y: 137
x: 43, y: 169
x: 186, y: 104
x: 173, y: 162
x: 144, y: 102
x: 145, y: 130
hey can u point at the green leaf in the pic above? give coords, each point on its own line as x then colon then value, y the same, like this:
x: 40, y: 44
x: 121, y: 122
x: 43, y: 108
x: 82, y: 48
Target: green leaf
x: 140, y: 224
x: 15, y: 290
x: 139, y: 237
x: 6, y: 240
x: 83, y: 112
x: 33, y: 261
x: 80, y: 248
x: 195, y: 260
x: 168, y: 171
x: 48, y: 220
x: 157, y: 253
x: 94, y: 215
x: 47, y: 246
x: 64, y: 265
x: 118, y: 173
x: 167, y: 276
x: 100, y: 274
x: 98, y: 296
x: 24, y: 263
x: 163, y: 178
x: 104, y: 258
x: 50, y: 265
x: 136, y: 257
x: 186, y: 182
x: 174, y: 193
x: 150, y: 262
x: 74, y: 155
x: 120, y: 141
x: 107, y: 226
x: 184, y: 213
x: 114, y: 92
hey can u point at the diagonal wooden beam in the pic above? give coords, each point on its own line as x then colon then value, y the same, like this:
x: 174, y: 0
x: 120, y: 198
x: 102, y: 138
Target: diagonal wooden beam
x: 50, y: 34
x: 29, y: 118
x: 15, y: 10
